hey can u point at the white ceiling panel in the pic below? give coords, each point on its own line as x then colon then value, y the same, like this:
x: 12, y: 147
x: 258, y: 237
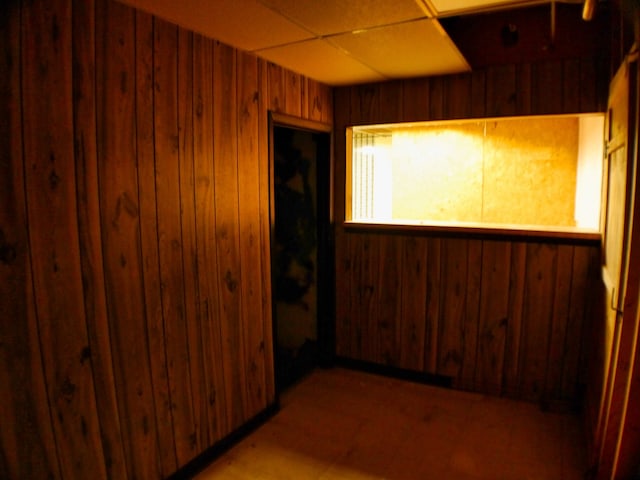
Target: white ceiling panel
x: 321, y: 61
x: 337, y: 42
x: 443, y: 7
x: 405, y: 50
x: 245, y: 24
x: 328, y: 17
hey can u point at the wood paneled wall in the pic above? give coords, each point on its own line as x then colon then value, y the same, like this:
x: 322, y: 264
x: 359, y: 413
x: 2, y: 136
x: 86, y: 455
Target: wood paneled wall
x: 135, y: 298
x: 497, y: 315
x: 501, y: 317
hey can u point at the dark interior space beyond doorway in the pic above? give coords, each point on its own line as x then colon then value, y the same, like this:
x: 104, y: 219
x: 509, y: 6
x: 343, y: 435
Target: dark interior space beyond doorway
x: 300, y: 251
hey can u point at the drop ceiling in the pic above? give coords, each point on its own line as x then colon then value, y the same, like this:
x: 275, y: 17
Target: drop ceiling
x: 337, y: 42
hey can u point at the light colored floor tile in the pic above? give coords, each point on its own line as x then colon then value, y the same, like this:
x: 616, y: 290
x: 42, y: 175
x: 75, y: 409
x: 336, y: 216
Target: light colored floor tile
x: 347, y: 425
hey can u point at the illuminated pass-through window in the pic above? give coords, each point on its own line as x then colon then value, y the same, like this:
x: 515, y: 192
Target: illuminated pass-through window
x: 522, y: 172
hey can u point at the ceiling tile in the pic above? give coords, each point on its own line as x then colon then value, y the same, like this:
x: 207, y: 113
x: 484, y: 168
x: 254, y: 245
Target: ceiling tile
x: 329, y: 17
x: 450, y: 6
x: 321, y: 61
x: 405, y: 50
x: 245, y: 24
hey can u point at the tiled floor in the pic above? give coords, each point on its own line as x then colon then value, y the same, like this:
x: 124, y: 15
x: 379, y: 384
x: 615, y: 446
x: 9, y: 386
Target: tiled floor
x: 342, y: 424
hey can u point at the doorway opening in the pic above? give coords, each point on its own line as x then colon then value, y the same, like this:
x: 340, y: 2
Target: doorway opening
x: 301, y: 248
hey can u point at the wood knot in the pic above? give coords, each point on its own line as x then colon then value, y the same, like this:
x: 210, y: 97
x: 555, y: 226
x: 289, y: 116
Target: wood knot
x: 54, y: 180
x: 85, y: 354
x: 230, y: 282
x: 67, y: 389
x: 8, y: 254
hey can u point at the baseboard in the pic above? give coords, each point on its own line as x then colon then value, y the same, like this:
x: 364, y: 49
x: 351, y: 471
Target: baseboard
x: 394, y: 372
x: 203, y: 460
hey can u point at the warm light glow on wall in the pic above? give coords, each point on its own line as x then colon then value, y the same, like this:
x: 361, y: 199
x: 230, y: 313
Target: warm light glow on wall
x: 528, y: 171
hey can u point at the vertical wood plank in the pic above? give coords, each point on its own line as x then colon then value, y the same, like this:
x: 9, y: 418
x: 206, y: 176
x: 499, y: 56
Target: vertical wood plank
x: 523, y: 89
x: 546, y: 87
x: 28, y: 445
x: 538, y: 308
x: 415, y: 99
x: 95, y: 302
x: 571, y: 85
x: 54, y: 239
x: 501, y: 90
x: 389, y: 298
x: 390, y: 107
x: 193, y: 318
x: 325, y: 104
x: 292, y: 93
x: 494, y: 304
x: 265, y: 228
x: 249, y: 217
x: 225, y: 158
x: 559, y: 318
x: 458, y: 96
x: 364, y: 104
x: 304, y: 97
x: 276, y: 85
x: 120, y: 212
x: 512, y: 355
x: 205, y: 238
x: 363, y: 314
x: 314, y: 102
x: 414, y: 313
x: 369, y: 294
x: 472, y: 312
x: 588, y: 87
x: 436, y: 98
x: 452, y: 314
x: 170, y: 243
x: 433, y: 303
x: 345, y: 323
x: 478, y: 93
x: 353, y: 263
x: 145, y: 151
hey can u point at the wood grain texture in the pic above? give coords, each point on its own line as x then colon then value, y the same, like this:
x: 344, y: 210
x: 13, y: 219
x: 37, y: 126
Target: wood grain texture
x: 225, y: 166
x: 171, y: 249
x: 389, y: 299
x: 207, y: 268
x: 453, y: 294
x: 410, y: 340
x: 493, y: 316
x: 27, y: 440
x: 95, y: 301
x: 54, y: 239
x: 120, y: 228
x: 250, y: 229
x: 147, y: 195
x: 134, y: 239
x: 193, y: 318
x: 434, y: 303
x: 485, y: 310
x: 264, y: 185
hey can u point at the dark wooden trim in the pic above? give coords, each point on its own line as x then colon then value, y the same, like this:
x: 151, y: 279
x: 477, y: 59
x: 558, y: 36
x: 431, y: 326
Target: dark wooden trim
x: 212, y: 453
x: 569, y: 235
x: 284, y: 120
x: 395, y: 372
x: 326, y: 331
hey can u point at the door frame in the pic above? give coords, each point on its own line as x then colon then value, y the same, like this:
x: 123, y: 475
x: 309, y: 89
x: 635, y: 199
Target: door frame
x: 611, y: 443
x: 325, y: 307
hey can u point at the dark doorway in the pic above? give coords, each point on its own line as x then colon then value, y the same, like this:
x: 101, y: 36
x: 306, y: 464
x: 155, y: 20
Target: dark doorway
x: 301, y: 246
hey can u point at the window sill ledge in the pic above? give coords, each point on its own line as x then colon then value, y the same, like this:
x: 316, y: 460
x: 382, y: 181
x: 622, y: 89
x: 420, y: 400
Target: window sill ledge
x: 500, y: 231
